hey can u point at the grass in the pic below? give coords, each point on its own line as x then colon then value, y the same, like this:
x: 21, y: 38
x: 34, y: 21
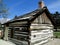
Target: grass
x: 57, y: 34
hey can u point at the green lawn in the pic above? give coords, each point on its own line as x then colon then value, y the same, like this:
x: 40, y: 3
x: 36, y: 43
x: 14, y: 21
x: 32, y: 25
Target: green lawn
x: 57, y: 34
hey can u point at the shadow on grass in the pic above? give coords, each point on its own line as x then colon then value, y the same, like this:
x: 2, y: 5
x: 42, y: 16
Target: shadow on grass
x: 56, y: 34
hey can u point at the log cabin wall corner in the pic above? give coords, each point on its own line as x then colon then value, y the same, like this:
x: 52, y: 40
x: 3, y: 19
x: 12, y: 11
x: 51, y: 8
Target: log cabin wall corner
x: 34, y: 28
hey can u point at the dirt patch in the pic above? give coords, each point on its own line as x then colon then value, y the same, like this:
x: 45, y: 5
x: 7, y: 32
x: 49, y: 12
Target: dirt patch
x: 53, y: 42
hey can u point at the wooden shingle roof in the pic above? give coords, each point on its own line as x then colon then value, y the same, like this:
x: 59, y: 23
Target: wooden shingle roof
x: 32, y: 15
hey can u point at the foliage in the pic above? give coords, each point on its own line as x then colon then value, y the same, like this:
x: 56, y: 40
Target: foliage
x: 56, y: 17
x: 3, y: 10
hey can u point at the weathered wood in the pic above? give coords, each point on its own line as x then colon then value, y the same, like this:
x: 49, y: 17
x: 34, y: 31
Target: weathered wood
x: 40, y: 36
x: 42, y: 19
x: 23, y: 28
x: 6, y: 33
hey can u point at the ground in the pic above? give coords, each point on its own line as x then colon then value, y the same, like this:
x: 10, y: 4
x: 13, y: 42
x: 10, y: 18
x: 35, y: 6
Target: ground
x: 2, y: 42
x: 53, y: 42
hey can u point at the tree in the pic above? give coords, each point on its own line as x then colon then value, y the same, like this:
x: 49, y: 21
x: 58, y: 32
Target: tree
x: 3, y: 10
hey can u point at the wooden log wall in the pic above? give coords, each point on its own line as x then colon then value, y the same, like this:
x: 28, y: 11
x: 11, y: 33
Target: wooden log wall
x: 19, y: 33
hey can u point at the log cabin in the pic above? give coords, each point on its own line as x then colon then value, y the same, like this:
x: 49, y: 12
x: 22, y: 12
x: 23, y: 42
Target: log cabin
x: 34, y: 28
